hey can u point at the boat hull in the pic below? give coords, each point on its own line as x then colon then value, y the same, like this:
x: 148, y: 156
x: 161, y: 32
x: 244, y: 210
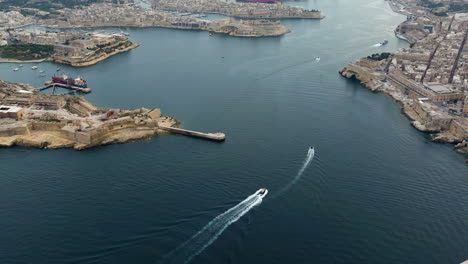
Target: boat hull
x: 72, y: 82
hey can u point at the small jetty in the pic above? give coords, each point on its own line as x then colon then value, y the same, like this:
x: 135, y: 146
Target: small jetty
x: 50, y: 84
x: 211, y: 136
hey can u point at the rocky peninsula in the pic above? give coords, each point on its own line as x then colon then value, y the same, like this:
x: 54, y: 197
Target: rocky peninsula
x: 74, y: 48
x: 237, y: 9
x: 430, y: 79
x: 113, y: 15
x: 83, y: 49
x: 28, y: 118
x: 425, y: 115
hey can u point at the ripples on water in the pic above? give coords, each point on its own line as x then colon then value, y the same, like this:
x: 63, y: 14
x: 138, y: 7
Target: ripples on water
x: 378, y: 192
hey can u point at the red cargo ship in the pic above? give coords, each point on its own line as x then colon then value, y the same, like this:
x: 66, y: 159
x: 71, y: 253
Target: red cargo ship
x: 79, y: 82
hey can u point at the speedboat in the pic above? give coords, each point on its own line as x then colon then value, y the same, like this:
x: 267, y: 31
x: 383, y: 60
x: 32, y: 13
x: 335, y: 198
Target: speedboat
x: 262, y: 192
x: 15, y: 69
x: 317, y: 59
x: 311, y: 152
x: 58, y: 69
x: 385, y: 42
x: 21, y: 65
x: 41, y: 71
x: 34, y: 67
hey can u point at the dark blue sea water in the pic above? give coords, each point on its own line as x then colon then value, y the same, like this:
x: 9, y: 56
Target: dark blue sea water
x: 377, y: 191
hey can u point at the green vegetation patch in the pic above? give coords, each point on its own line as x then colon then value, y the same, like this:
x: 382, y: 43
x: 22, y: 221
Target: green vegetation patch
x: 26, y: 51
x: 441, y: 9
x: 379, y: 56
x: 441, y: 13
x: 430, y: 4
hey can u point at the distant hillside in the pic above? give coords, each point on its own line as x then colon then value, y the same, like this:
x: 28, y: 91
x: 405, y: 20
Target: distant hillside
x: 48, y: 5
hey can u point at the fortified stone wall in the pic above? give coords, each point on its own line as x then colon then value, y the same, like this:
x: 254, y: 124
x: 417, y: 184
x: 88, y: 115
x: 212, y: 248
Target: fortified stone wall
x: 459, y: 129
x: 47, y: 126
x: 432, y: 120
x: 14, y: 130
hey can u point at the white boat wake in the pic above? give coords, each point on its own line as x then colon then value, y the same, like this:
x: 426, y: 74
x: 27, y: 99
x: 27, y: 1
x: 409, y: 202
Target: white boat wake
x: 308, y: 159
x: 208, y: 234
x: 377, y: 45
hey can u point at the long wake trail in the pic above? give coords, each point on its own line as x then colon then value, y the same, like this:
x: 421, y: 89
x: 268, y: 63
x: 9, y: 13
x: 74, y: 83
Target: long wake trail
x: 308, y: 159
x: 208, y: 234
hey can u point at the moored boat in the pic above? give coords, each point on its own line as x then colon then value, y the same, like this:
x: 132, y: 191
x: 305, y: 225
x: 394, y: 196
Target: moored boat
x: 64, y: 79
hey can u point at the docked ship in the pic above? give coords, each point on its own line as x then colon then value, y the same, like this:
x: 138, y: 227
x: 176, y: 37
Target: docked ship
x: 64, y: 79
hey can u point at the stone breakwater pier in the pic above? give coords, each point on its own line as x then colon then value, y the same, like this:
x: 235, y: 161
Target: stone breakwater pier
x: 211, y: 136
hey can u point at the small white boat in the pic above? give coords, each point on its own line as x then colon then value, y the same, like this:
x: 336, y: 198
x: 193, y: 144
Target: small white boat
x: 34, y: 67
x: 58, y: 69
x: 21, y: 65
x: 262, y: 192
x: 41, y: 71
x: 317, y: 59
x: 16, y: 69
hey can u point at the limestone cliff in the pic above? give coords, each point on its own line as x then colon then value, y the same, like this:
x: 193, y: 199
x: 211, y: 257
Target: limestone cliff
x: 425, y: 116
x: 59, y: 121
x: 99, y: 55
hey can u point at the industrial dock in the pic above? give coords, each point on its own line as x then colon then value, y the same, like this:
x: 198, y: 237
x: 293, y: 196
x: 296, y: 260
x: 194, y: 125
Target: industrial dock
x: 50, y: 84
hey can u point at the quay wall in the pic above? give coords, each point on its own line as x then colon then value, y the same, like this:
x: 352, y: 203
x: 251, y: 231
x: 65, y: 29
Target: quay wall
x: 459, y: 130
x: 14, y: 131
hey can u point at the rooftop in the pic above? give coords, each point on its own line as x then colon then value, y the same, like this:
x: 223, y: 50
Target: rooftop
x: 440, y: 88
x: 9, y: 109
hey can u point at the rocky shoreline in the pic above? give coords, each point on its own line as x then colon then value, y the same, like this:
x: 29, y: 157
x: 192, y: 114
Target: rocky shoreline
x: 110, y: 15
x: 4, y: 60
x: 95, y: 58
x: 74, y: 48
x: 230, y: 27
x: 434, y: 105
x: 67, y: 121
x: 423, y: 116
x: 92, y: 60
